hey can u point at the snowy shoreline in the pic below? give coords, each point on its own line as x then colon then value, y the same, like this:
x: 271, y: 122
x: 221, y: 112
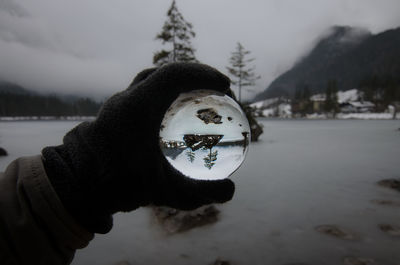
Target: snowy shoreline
x: 339, y: 116
x: 314, y: 116
x: 356, y: 116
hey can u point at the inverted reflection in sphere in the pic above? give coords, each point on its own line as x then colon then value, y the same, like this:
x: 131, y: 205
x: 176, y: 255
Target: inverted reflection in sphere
x: 205, y: 135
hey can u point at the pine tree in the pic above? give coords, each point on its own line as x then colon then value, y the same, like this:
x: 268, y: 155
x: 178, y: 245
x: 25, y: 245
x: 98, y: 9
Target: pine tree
x: 243, y: 76
x: 209, y: 160
x: 328, y: 97
x: 334, y: 97
x: 331, y: 99
x: 178, y: 32
x: 191, y: 155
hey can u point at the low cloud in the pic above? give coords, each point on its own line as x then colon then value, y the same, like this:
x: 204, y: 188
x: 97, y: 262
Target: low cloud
x: 95, y: 47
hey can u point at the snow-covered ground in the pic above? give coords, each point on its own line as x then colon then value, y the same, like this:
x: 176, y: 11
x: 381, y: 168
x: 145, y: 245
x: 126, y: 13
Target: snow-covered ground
x: 352, y: 107
x: 282, y: 110
x: 356, y: 116
x: 367, y: 116
x: 264, y: 103
x: 302, y: 174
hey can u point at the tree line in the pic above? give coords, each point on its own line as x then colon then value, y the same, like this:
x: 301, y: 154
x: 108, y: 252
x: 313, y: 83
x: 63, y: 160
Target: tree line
x: 380, y: 90
x: 12, y: 104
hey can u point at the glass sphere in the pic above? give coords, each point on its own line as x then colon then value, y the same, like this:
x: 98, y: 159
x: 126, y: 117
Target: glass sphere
x: 205, y: 135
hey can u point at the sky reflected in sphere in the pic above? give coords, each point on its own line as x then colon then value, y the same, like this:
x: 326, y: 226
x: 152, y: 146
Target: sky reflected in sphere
x: 205, y: 135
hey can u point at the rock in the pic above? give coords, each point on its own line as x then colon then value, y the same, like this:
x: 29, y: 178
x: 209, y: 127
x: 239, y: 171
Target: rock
x: 221, y: 262
x: 296, y: 264
x: 335, y: 231
x: 390, y: 183
x: 386, y: 202
x: 124, y: 262
x: 175, y: 221
x: 392, y: 230
x: 256, y: 129
x: 209, y: 115
x: 3, y: 152
x: 357, y: 261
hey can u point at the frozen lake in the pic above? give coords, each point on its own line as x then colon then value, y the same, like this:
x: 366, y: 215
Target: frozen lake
x: 301, y: 174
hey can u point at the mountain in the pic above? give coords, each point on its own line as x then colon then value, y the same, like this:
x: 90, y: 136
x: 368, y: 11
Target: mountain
x: 347, y: 55
x: 7, y: 87
x: 16, y: 100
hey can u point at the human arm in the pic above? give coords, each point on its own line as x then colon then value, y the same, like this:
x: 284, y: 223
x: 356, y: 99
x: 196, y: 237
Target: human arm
x: 109, y: 165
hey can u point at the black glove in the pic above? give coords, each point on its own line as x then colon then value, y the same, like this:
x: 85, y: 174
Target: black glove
x: 115, y: 163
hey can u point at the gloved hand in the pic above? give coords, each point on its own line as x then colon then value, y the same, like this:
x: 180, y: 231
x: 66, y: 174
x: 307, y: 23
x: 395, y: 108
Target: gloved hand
x: 115, y: 163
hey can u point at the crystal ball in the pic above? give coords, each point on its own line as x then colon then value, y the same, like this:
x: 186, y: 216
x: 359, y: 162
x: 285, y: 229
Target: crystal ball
x: 205, y: 135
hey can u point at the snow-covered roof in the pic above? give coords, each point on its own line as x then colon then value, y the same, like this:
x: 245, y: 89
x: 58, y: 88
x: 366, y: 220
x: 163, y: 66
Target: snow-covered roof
x: 257, y: 104
x: 264, y: 103
x: 364, y: 104
x: 348, y: 96
x: 318, y: 97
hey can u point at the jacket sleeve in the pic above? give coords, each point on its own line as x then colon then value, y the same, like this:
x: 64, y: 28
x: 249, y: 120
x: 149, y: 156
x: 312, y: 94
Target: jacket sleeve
x: 34, y: 226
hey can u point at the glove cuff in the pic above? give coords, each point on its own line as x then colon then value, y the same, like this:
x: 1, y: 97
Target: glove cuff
x: 71, y: 169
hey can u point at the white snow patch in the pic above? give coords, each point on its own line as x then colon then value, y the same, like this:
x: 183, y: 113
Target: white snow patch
x: 348, y: 96
x: 263, y: 104
x: 315, y: 116
x: 365, y: 116
x: 318, y: 97
x: 283, y: 110
x: 268, y: 112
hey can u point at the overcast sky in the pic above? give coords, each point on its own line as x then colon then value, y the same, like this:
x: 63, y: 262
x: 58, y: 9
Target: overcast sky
x: 96, y: 47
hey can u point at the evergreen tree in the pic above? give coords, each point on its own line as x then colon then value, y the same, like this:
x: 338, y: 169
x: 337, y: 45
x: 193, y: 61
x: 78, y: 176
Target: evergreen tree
x: 191, y: 155
x: 306, y: 93
x: 209, y: 160
x: 328, y: 97
x: 331, y: 99
x: 178, y: 32
x: 243, y: 76
x: 334, y: 98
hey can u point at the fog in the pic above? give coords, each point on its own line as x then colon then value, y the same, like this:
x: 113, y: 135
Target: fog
x: 95, y: 48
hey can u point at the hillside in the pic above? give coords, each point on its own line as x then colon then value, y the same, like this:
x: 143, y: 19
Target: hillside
x: 7, y: 87
x: 347, y: 55
x: 16, y: 100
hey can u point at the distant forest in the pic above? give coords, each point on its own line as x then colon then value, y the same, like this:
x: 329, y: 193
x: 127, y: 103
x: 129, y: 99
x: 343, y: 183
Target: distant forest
x: 12, y: 104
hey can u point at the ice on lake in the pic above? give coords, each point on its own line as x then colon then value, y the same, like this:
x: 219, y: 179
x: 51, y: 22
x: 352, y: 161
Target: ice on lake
x: 300, y: 176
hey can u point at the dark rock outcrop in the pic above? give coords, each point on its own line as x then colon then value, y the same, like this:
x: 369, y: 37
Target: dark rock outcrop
x: 392, y: 230
x: 256, y: 129
x: 358, y: 261
x: 390, y: 183
x: 386, y: 202
x: 335, y: 231
x: 221, y: 262
x: 3, y: 152
x: 209, y: 115
x: 175, y: 221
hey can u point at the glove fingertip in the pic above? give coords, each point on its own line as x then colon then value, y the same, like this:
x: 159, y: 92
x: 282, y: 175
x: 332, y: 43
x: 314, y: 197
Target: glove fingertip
x: 221, y: 191
x: 143, y: 75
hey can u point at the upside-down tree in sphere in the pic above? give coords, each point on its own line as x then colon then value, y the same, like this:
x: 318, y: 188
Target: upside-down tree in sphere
x: 243, y: 75
x: 177, y: 32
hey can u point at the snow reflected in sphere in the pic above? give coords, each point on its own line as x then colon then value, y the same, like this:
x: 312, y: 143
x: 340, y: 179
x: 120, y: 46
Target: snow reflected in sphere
x: 205, y: 135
